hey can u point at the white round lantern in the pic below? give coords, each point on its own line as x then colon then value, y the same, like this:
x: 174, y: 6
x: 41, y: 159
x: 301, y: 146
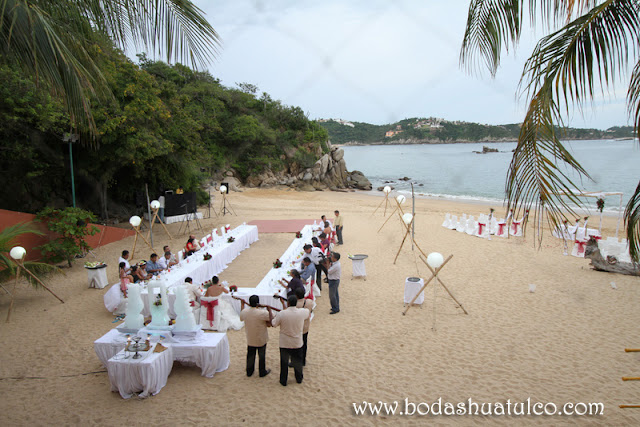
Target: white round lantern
x: 401, y: 199
x: 135, y: 220
x: 155, y: 204
x: 435, y: 260
x: 386, y: 189
x: 223, y: 188
x: 18, y: 252
x: 407, y: 218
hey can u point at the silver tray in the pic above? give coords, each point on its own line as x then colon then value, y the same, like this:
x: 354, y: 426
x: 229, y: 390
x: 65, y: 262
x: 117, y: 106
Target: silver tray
x: 358, y: 257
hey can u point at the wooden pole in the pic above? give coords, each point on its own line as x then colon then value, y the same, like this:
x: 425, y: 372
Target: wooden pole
x: 443, y: 285
x: 630, y: 378
x: 426, y: 283
x: 155, y: 215
x: 135, y: 241
x: 39, y: 281
x: 10, y: 305
x: 385, y: 222
x: 386, y: 199
x: 632, y: 350
x: 405, y: 238
x: 629, y: 406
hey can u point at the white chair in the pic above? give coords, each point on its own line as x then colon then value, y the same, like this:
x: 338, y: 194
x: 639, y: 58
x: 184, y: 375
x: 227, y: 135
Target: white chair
x: 208, y: 323
x: 502, y: 230
x: 493, y: 227
x: 462, y: 224
x: 180, y: 256
x: 482, y: 227
x: 472, y: 225
x: 453, y: 224
x: 447, y: 220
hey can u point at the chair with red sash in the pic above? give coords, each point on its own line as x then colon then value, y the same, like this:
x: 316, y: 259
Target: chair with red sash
x: 208, y: 313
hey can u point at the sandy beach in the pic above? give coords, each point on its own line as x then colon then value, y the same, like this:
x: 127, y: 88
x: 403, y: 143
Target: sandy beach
x: 562, y: 344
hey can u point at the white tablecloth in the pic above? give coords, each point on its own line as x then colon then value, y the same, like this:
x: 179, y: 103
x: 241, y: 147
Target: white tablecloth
x: 411, y: 289
x: 358, y: 268
x: 146, y: 375
x: 97, y: 277
x: 195, y: 266
x: 208, y: 351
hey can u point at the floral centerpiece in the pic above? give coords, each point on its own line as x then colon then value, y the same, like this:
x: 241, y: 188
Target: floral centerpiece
x: 206, y: 284
x: 298, y: 235
x: 233, y: 288
x: 207, y: 256
x: 600, y: 204
x: 277, y: 263
x: 158, y: 301
x: 97, y: 264
x: 231, y: 239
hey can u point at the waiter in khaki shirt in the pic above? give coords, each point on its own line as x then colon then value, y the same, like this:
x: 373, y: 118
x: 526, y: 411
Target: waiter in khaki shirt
x: 339, y: 226
x: 310, y: 305
x: 256, y: 321
x: 291, y: 322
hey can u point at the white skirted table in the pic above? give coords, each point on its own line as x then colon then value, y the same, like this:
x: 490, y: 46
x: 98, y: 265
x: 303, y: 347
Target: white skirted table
x: 97, y: 277
x: 146, y: 375
x: 358, y: 269
x: 411, y: 287
x: 208, y: 351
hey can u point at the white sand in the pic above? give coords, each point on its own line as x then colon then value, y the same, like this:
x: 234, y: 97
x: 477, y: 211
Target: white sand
x: 563, y: 343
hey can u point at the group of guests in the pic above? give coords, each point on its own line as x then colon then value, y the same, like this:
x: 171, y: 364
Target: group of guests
x: 294, y: 330
x: 145, y: 270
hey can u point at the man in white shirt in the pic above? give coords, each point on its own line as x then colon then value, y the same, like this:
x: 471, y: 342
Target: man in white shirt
x: 125, y: 258
x: 193, y: 293
x: 334, y: 273
x: 291, y: 322
x: 316, y: 256
x: 166, y: 262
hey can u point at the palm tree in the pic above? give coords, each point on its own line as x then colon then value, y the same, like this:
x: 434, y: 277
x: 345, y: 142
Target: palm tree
x: 54, y: 40
x: 590, y: 44
x: 9, y: 268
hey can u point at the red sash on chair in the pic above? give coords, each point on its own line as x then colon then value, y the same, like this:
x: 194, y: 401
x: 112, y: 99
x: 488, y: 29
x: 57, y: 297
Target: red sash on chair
x: 210, y: 305
x: 310, y: 296
x: 581, y: 245
x: 209, y: 239
x: 515, y: 225
x: 501, y: 228
x: 480, y: 227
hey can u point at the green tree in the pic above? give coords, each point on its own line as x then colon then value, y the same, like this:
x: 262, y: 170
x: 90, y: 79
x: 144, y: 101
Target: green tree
x: 52, y: 40
x: 589, y: 45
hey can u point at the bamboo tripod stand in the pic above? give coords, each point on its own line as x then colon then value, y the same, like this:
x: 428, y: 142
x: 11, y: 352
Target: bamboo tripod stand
x: 153, y: 221
x: 135, y: 241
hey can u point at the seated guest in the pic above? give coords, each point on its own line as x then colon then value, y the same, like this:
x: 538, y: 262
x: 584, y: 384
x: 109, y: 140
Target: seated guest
x: 215, y: 288
x: 217, y: 313
x: 123, y: 273
x: 152, y: 266
x: 165, y: 262
x: 125, y: 258
x: 309, y: 270
x: 325, y: 241
x: 140, y: 272
x: 166, y: 249
x: 193, y: 292
x: 294, y: 283
x: 191, y: 246
x: 327, y: 228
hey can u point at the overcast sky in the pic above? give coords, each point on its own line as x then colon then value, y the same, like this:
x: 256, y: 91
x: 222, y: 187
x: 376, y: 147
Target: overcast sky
x: 375, y: 61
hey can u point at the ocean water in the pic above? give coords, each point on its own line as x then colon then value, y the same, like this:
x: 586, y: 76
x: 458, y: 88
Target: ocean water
x: 454, y: 171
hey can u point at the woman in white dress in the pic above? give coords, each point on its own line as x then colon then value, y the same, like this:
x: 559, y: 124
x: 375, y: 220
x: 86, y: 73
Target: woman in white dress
x: 224, y: 316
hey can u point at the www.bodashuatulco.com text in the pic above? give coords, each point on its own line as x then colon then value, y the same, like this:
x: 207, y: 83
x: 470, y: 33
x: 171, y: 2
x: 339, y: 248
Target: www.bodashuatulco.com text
x: 471, y: 407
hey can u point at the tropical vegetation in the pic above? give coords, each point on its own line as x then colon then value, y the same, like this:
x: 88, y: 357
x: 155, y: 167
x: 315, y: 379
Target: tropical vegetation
x: 589, y: 45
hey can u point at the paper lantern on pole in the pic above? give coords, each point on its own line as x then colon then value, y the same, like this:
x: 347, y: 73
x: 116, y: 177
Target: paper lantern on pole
x: 155, y: 204
x: 435, y: 260
x: 386, y: 189
x: 407, y: 218
x: 400, y: 199
x: 223, y: 188
x: 18, y: 252
x: 135, y: 221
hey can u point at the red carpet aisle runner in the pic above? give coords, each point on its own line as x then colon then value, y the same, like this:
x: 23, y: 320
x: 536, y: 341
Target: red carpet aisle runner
x: 280, y: 225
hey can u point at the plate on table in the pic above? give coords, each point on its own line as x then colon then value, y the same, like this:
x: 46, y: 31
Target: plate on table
x: 358, y: 257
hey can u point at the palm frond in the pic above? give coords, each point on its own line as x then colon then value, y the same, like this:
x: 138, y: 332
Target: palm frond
x: 632, y: 223
x: 536, y: 178
x: 588, y: 52
x: 9, y: 234
x: 633, y: 97
x: 492, y: 25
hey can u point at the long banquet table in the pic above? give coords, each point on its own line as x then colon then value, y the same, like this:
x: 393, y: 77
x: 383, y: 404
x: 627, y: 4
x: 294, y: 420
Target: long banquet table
x: 195, y: 266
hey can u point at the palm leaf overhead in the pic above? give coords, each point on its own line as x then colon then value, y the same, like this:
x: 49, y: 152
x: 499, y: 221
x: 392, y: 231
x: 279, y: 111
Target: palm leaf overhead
x: 632, y: 222
x: 53, y: 39
x: 567, y: 68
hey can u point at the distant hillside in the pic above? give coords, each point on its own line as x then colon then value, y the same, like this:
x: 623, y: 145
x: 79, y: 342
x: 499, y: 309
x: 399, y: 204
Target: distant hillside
x: 434, y: 130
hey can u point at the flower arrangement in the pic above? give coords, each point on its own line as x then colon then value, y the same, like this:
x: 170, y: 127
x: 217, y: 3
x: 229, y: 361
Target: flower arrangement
x: 298, y: 235
x: 231, y: 239
x: 600, y: 204
x: 207, y: 256
x: 207, y: 284
x: 97, y: 264
x: 233, y: 288
x: 158, y: 301
x: 277, y: 263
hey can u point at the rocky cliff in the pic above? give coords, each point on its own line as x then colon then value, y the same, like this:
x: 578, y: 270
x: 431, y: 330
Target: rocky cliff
x: 329, y: 172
